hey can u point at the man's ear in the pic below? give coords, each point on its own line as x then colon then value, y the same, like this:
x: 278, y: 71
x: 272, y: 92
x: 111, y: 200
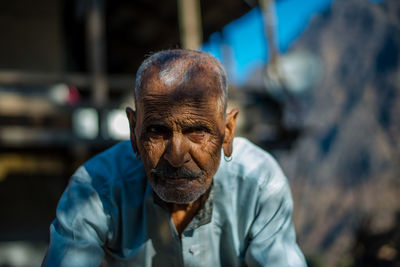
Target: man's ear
x: 131, y: 114
x: 230, y: 124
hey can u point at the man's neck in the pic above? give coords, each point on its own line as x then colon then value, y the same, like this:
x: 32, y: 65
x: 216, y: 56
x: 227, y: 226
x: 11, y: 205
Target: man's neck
x: 182, y: 214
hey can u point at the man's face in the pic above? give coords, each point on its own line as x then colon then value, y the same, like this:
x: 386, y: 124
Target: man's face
x: 179, y: 133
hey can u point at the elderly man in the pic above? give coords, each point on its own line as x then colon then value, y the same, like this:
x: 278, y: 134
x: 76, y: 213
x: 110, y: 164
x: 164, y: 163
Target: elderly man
x: 172, y: 201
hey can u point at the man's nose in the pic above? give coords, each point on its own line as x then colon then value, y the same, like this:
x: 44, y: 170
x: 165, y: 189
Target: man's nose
x: 177, y: 151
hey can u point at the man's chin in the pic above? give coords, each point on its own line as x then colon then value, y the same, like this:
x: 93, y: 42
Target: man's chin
x: 178, y: 195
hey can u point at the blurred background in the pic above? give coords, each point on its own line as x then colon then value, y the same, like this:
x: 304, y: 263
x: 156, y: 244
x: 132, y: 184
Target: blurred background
x: 317, y: 83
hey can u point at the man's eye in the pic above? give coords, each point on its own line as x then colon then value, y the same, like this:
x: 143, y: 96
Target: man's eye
x: 197, y: 132
x: 200, y: 132
x: 157, y: 130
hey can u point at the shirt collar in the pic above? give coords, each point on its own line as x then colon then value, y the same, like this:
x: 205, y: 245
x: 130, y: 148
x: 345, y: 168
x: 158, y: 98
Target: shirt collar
x: 203, y: 216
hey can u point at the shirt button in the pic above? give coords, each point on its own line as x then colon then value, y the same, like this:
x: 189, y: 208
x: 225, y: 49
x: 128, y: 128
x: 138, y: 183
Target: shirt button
x: 191, y: 250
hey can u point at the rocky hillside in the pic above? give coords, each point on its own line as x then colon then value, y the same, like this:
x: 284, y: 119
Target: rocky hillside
x: 345, y: 167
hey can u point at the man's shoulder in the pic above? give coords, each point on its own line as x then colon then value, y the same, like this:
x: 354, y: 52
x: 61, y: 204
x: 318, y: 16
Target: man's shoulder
x: 245, y: 151
x: 251, y: 165
x: 116, y: 163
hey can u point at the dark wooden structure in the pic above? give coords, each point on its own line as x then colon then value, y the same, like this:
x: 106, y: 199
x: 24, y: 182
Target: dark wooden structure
x: 93, y: 46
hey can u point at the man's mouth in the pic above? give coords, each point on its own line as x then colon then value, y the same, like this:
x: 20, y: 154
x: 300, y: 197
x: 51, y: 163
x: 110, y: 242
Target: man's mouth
x: 176, y: 181
x: 176, y: 175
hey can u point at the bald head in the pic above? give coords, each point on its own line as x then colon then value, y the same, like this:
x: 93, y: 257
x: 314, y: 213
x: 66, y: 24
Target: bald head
x: 177, y: 69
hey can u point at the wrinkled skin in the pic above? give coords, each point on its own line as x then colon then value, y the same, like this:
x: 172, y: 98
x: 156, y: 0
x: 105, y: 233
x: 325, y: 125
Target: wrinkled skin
x: 179, y: 130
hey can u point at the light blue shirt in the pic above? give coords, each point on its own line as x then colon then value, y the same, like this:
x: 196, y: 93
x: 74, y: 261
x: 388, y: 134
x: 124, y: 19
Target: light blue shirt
x: 108, y: 211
